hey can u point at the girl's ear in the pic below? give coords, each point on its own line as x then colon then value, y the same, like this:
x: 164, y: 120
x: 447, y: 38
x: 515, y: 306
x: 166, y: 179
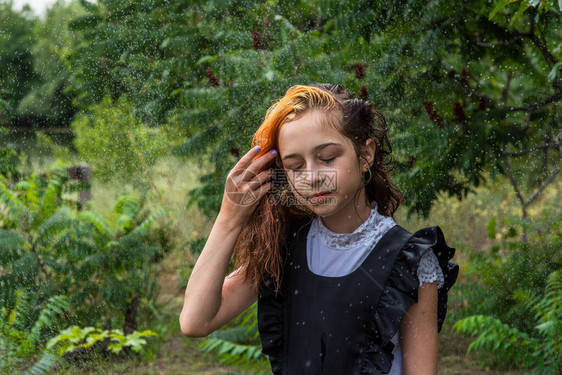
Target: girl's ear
x: 368, y: 153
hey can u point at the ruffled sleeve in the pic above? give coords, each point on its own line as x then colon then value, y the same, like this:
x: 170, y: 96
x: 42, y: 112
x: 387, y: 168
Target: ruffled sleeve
x: 429, y: 270
x: 401, y: 292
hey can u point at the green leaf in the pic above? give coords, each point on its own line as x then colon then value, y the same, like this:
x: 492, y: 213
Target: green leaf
x: 500, y: 5
x: 90, y: 7
x: 522, y: 8
x: 552, y: 73
x: 84, y: 22
x: 204, y: 59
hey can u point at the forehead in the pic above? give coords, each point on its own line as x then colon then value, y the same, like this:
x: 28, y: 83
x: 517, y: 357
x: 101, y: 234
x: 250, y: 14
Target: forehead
x: 303, y: 134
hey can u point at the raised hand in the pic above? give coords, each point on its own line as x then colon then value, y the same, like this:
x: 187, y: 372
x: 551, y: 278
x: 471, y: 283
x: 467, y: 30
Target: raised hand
x: 246, y: 184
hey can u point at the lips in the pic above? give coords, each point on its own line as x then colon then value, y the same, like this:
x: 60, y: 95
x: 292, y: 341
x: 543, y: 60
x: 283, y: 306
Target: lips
x: 319, y: 194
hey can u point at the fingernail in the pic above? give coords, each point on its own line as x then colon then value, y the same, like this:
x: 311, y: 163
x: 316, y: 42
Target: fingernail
x: 274, y: 152
x: 257, y: 148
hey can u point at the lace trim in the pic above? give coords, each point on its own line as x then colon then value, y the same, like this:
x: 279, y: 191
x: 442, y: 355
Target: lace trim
x: 429, y: 269
x: 366, y: 234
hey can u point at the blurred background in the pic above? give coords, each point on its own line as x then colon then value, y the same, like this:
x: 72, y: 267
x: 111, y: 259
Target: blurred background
x: 120, y: 120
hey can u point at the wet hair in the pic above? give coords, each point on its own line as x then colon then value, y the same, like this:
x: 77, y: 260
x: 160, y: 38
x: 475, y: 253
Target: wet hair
x: 261, y: 247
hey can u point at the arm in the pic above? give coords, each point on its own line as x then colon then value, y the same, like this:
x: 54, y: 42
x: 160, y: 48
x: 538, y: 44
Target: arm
x: 211, y: 299
x: 418, y: 330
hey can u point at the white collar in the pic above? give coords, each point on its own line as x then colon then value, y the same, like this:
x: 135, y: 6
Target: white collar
x: 367, y: 234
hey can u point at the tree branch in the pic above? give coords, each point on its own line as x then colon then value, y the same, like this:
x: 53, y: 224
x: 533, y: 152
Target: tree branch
x: 543, y: 186
x: 534, y: 148
x: 531, y: 107
x: 513, y: 182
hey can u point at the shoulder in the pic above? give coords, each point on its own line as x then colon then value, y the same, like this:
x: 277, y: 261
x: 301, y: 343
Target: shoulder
x: 415, y: 254
x: 423, y: 241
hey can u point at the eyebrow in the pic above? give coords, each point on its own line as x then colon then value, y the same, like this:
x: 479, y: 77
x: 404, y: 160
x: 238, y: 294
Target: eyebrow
x: 315, y: 149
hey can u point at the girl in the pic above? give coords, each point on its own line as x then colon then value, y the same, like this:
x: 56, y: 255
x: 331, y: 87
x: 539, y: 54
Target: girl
x: 308, y: 218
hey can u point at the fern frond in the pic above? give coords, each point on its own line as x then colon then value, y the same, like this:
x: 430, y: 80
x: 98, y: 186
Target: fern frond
x: 56, y: 306
x: 50, y: 199
x: 44, y: 365
x: 227, y: 343
x: 56, y: 223
x: 549, y: 308
x: 14, y: 205
x: 97, y: 221
x: 143, y: 227
x: 493, y: 335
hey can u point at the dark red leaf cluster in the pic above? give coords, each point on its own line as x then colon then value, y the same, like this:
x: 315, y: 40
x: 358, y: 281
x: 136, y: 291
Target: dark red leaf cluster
x: 363, y: 93
x: 256, y: 40
x: 433, y: 115
x: 359, y: 70
x: 213, y: 80
x: 458, y: 111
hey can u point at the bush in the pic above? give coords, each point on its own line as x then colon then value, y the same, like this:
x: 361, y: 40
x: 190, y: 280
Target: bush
x: 104, y: 266
x: 518, y: 279
x: 118, y: 144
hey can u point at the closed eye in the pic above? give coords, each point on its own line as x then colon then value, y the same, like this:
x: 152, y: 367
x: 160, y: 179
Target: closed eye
x: 328, y: 161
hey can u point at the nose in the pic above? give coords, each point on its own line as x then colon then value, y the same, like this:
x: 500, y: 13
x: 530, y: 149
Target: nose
x: 314, y: 178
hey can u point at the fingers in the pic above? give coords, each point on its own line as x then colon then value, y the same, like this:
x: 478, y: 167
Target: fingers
x: 245, y: 160
x: 260, y: 179
x: 252, y: 168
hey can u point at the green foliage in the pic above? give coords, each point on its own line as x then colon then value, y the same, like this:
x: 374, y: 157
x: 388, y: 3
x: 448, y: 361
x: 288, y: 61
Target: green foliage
x: 462, y: 85
x: 514, y: 271
x: 75, y: 337
x: 456, y: 87
x: 117, y: 144
x: 17, y: 75
x: 21, y: 337
x: 240, y: 344
x: 104, y: 265
x: 49, y: 100
x: 8, y: 162
x: 541, y: 350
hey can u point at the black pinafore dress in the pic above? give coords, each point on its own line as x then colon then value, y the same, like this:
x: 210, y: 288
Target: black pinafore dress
x: 344, y: 325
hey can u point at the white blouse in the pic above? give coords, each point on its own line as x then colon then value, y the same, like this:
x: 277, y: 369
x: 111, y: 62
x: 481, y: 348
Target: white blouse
x: 338, y: 254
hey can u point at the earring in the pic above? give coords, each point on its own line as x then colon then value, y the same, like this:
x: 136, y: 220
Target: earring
x: 370, y: 177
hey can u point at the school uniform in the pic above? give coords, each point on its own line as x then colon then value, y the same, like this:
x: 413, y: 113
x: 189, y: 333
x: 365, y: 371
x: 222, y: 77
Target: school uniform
x: 343, y: 296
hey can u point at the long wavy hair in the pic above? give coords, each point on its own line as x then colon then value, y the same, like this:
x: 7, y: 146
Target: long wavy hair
x: 261, y: 248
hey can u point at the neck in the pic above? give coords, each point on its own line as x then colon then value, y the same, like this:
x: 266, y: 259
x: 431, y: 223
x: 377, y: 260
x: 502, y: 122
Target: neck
x: 349, y: 217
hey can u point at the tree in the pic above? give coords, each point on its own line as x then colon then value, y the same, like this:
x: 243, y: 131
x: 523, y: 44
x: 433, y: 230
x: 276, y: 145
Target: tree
x: 469, y: 89
x: 17, y: 74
